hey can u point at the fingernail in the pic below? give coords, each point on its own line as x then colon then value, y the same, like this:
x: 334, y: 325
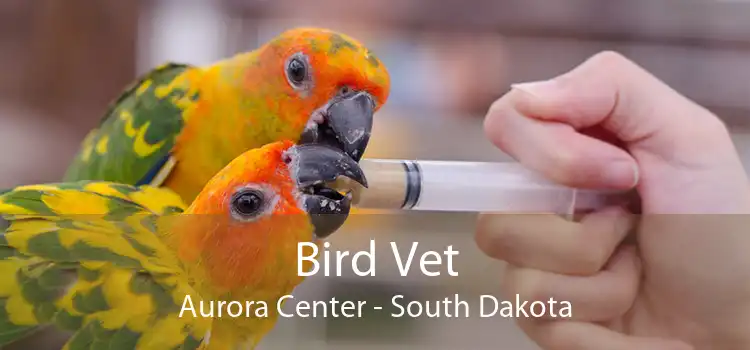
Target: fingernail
x: 536, y: 88
x: 622, y: 173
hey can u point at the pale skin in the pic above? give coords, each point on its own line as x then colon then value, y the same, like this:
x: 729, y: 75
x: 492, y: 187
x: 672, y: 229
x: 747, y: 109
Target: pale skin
x: 684, y: 283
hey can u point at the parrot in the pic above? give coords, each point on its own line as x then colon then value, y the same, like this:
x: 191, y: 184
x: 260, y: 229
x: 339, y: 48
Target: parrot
x: 114, y: 263
x: 179, y: 124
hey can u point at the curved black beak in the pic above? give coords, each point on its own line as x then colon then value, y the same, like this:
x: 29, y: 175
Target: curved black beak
x: 311, y: 166
x: 346, y: 124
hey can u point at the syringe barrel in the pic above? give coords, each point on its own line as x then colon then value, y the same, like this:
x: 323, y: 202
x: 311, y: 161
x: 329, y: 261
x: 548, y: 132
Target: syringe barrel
x: 471, y: 187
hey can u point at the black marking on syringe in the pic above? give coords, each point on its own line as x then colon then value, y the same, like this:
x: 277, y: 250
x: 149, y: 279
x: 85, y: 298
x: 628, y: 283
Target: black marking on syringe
x: 413, y: 184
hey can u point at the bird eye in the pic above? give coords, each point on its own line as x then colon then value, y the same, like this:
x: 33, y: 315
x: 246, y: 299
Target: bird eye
x: 248, y: 203
x: 345, y: 90
x: 297, y: 71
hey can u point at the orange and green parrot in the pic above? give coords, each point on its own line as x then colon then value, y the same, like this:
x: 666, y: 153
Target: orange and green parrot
x: 178, y: 125
x: 115, y: 264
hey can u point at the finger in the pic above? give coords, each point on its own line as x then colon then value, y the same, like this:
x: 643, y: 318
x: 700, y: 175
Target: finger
x: 627, y: 100
x: 536, y: 123
x: 564, y: 335
x: 602, y: 297
x: 557, y: 150
x: 551, y: 243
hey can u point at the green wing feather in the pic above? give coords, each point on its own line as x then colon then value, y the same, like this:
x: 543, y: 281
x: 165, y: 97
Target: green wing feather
x: 105, y: 274
x: 136, y: 134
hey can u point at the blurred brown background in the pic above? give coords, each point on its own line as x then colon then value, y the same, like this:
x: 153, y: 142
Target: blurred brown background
x: 64, y: 60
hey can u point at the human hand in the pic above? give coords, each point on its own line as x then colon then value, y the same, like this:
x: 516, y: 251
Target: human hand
x: 684, y: 284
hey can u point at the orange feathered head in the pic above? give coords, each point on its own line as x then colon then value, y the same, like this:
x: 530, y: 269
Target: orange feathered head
x: 250, y: 217
x: 320, y: 63
x: 318, y: 85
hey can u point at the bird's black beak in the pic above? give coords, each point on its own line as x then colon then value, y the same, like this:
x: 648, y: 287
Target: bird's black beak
x: 311, y: 166
x: 345, y: 123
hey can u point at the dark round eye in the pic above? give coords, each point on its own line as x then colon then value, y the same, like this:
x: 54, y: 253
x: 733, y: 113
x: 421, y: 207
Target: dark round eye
x: 296, y: 70
x: 345, y: 90
x: 248, y: 203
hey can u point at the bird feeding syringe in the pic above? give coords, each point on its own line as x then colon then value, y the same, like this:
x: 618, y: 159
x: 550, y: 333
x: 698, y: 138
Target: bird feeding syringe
x: 468, y: 187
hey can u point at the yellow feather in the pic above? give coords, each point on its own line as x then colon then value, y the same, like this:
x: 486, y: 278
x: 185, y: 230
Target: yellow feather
x: 41, y: 188
x: 9, y: 267
x: 128, y: 118
x: 87, y: 145
x: 144, y: 87
x: 66, y: 302
x: 76, y: 202
x: 105, y: 189
x: 115, y: 244
x: 23, y: 231
x: 140, y: 146
x: 156, y: 199
x: 19, y: 310
x: 101, y: 145
x: 127, y: 308
x: 154, y: 337
x: 11, y: 208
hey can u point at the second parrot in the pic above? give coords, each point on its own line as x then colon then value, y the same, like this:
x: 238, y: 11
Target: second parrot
x: 116, y: 264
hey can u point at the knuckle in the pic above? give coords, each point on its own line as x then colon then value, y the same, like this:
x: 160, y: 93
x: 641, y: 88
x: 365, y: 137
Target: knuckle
x: 714, y: 126
x: 526, y: 283
x: 618, y: 306
x: 609, y: 59
x: 565, y: 159
x: 495, y: 123
x: 494, y: 237
x: 496, y: 107
x: 602, y: 232
x: 482, y: 237
x: 484, y: 234
x: 592, y: 259
x: 566, y: 164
